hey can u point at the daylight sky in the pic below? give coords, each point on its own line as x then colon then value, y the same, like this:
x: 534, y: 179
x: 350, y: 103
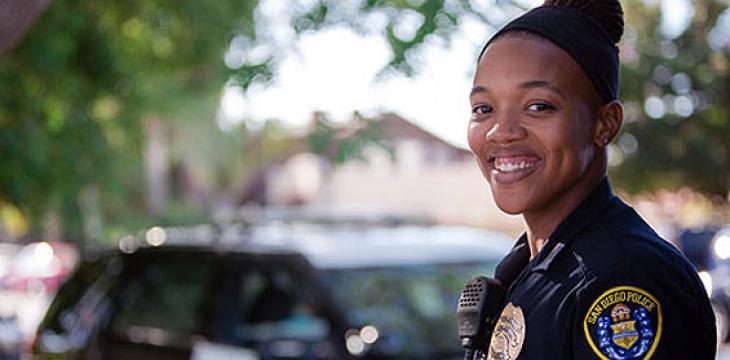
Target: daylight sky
x: 334, y: 71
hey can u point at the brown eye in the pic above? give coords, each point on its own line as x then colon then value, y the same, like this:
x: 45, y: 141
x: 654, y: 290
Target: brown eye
x: 539, y: 107
x: 481, y: 110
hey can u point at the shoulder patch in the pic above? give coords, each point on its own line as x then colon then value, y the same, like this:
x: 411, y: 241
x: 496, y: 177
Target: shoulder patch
x: 625, y: 322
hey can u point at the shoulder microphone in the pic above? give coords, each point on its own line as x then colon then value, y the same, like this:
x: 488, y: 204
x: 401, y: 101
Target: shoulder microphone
x: 477, y: 312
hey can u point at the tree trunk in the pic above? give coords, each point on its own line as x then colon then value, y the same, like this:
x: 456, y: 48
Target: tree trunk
x: 156, y: 165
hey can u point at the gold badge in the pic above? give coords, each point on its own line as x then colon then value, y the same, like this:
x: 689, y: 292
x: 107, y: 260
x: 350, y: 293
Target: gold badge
x: 508, y: 335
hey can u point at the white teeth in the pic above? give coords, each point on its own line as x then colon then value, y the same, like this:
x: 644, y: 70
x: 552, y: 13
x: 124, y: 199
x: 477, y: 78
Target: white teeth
x: 514, y: 166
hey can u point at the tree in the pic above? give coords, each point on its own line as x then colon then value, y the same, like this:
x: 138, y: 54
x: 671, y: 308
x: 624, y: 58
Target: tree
x: 675, y: 89
x: 16, y: 16
x: 83, y: 81
x: 88, y: 75
x: 677, y: 131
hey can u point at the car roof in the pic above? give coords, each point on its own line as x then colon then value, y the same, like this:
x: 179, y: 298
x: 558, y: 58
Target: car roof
x: 373, y: 246
x: 347, y: 244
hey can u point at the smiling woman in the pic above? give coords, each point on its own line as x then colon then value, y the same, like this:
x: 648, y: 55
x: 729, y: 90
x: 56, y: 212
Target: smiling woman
x: 588, y: 278
x: 524, y: 123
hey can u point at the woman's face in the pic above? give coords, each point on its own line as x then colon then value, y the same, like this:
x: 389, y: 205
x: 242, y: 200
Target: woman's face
x: 531, y: 127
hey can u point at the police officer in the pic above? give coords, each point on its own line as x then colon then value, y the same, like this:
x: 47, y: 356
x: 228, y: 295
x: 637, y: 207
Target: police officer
x: 589, y: 279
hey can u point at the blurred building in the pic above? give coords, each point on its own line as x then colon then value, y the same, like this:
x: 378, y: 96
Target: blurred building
x: 416, y: 173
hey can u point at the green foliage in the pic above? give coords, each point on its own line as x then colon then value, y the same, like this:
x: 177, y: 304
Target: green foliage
x: 83, y: 80
x: 313, y: 19
x: 250, y: 74
x: 437, y: 20
x: 675, y: 149
x: 435, y: 17
x: 342, y: 144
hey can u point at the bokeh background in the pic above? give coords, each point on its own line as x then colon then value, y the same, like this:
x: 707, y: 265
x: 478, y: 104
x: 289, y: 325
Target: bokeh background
x: 119, y: 116
x: 116, y: 117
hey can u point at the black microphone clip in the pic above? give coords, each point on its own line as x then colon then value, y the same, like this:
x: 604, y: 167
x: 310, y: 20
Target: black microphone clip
x: 477, y: 313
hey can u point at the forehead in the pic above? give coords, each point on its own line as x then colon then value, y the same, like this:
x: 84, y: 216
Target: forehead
x: 518, y: 58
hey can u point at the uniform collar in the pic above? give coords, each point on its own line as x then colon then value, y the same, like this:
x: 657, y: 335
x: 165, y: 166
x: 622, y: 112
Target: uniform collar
x: 580, y: 218
x: 514, y: 264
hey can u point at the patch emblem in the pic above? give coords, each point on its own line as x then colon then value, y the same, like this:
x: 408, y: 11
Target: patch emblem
x: 624, y: 323
x: 508, y: 335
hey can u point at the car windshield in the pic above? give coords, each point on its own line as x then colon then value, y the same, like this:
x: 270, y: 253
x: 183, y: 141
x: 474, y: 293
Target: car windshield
x: 412, y: 307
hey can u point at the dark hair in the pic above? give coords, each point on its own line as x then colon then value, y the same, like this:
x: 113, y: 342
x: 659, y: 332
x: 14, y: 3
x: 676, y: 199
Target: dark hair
x: 607, y: 13
x: 588, y: 30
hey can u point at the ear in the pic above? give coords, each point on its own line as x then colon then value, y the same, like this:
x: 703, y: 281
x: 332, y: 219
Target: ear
x: 608, y: 122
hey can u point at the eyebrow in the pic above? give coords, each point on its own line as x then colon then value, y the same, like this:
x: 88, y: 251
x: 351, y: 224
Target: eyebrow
x: 525, y: 85
x: 543, y: 85
x: 478, y: 89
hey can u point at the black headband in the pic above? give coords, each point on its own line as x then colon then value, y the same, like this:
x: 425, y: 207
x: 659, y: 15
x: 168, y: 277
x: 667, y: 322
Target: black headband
x: 580, y: 36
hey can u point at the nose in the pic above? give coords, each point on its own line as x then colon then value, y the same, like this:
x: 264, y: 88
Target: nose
x: 507, y: 128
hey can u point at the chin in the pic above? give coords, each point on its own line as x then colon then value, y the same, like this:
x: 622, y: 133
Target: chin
x: 509, y: 204
x: 511, y: 210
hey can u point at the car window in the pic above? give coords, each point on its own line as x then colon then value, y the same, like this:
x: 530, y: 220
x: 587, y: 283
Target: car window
x: 268, y: 306
x: 413, y: 304
x: 163, y: 302
x: 80, y: 306
x: 272, y: 305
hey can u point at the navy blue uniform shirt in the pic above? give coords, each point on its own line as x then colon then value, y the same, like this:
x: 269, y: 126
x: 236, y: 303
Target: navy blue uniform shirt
x: 605, y: 286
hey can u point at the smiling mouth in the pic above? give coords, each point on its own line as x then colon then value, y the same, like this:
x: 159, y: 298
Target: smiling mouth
x: 513, y: 168
x: 514, y: 164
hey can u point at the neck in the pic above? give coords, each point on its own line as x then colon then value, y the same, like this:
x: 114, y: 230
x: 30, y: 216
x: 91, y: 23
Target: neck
x: 535, y: 242
x: 541, y: 223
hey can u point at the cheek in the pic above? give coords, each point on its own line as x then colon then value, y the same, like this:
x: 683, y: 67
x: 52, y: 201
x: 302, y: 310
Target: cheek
x: 473, y: 136
x: 476, y: 137
x: 572, y: 145
x: 582, y: 141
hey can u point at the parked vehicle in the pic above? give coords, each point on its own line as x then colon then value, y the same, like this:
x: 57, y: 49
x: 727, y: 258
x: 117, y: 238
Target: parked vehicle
x: 280, y: 291
x: 696, y: 244
x: 718, y: 281
x: 39, y: 267
x: 11, y: 338
x: 709, y: 250
x: 29, y: 275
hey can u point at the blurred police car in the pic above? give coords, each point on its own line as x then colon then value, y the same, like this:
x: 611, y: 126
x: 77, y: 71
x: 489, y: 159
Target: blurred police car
x: 277, y: 290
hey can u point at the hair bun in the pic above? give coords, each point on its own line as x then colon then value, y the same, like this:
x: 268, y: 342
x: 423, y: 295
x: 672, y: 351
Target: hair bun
x: 607, y: 13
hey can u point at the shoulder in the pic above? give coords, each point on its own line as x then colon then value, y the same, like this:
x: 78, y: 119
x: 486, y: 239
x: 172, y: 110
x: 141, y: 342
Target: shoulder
x: 620, y: 245
x: 639, y: 291
x: 621, y: 249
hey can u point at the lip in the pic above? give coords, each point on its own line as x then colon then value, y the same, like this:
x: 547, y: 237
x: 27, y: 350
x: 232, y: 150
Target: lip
x: 507, y: 178
x: 514, y: 155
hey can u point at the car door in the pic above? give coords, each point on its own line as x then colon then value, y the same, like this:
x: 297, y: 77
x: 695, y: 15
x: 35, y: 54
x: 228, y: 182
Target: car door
x: 271, y: 307
x: 162, y: 307
x: 79, y: 309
